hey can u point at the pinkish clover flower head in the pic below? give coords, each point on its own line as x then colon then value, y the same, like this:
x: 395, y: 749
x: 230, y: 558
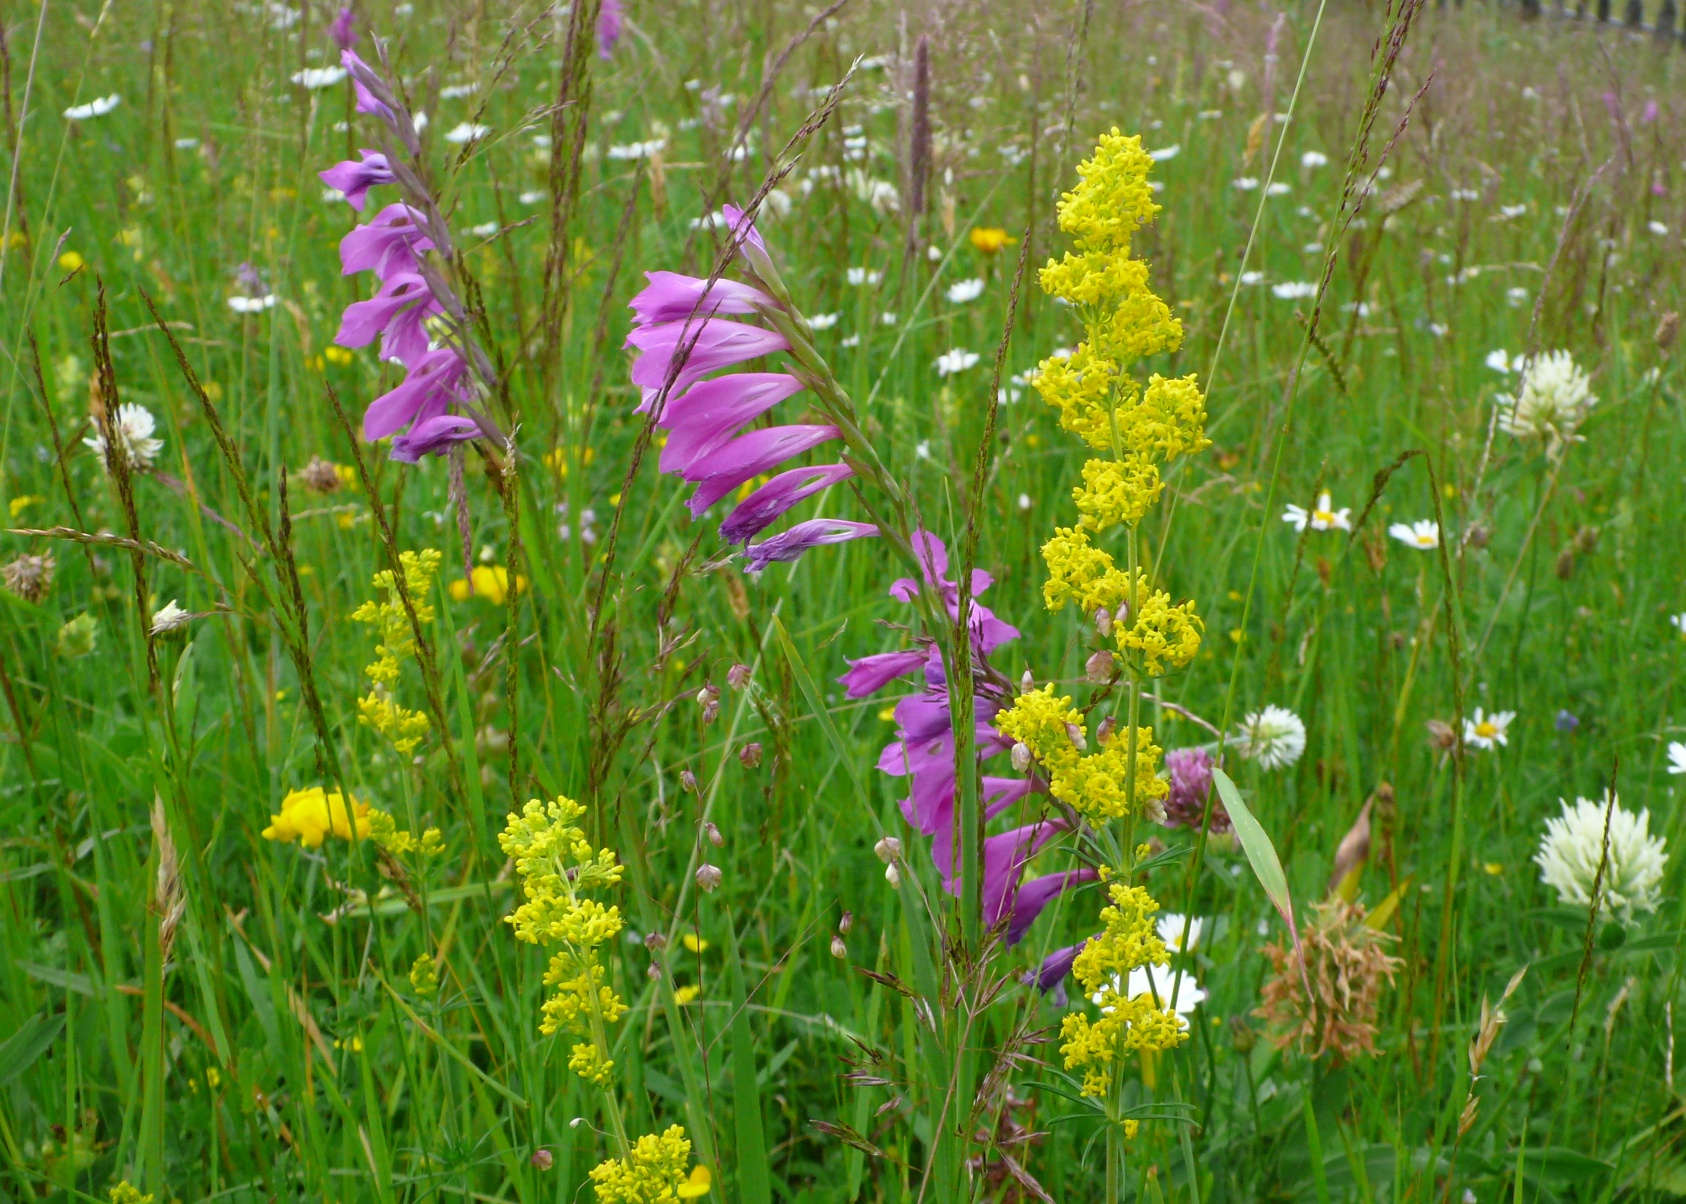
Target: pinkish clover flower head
x: 354, y: 179
x: 610, y: 17
x: 1190, y: 771
x: 344, y: 31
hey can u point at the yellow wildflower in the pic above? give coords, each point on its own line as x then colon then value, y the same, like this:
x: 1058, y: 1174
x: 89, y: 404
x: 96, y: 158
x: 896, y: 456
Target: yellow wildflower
x: 697, y: 1184
x: 652, y: 1170
x: 491, y: 582
x: 424, y: 975
x: 311, y: 815
x: 1095, y: 785
x: 1117, y: 492
x: 1112, y: 198
x: 1160, y: 635
x: 378, y: 709
x: 1080, y: 387
x: 124, y: 1192
x: 990, y: 239
x: 70, y: 261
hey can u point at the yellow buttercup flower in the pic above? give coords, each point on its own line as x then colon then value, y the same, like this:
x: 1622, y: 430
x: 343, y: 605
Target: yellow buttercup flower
x: 491, y: 582
x: 697, y: 1184
x: 990, y: 239
x: 311, y: 815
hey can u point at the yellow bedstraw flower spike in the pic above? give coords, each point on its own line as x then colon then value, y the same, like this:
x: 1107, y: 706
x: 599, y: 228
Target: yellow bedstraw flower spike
x: 1117, y: 491
x: 378, y: 709
x: 491, y: 582
x: 1160, y: 636
x: 124, y: 1192
x: 424, y: 975
x: 1112, y: 199
x: 652, y: 1170
x: 311, y: 815
x: 1080, y: 386
x: 1095, y: 785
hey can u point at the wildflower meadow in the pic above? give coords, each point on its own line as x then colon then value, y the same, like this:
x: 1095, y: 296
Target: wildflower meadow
x: 659, y: 600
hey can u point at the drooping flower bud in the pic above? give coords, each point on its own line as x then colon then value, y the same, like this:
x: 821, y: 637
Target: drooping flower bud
x: 708, y: 877
x: 1099, y: 667
x: 749, y: 756
x: 1074, y: 733
x: 543, y: 1159
x: 654, y: 972
x: 1103, y: 621
x: 713, y: 834
x: 1104, y: 731
x: 888, y: 849
x: 1021, y: 757
x: 838, y: 948
x: 738, y: 676
x: 893, y: 876
x: 655, y: 942
x: 708, y: 698
x: 846, y: 923
x: 687, y: 781
x: 1027, y: 683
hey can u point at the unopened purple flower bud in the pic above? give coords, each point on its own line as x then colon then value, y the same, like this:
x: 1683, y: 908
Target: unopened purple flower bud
x: 711, y: 711
x: 687, y: 781
x: 543, y: 1159
x: 654, y: 972
x: 738, y: 676
x: 1103, y: 732
x: 846, y: 923
x: 1021, y: 757
x: 749, y: 756
x: 888, y: 849
x: 344, y: 33
x: 1099, y: 667
x: 1103, y: 621
x: 708, y: 877
x: 838, y: 949
x: 1074, y: 733
x: 713, y: 834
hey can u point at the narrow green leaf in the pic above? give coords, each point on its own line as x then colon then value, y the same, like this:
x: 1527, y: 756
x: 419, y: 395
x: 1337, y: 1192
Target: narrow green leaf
x: 1261, y: 854
x: 754, y: 1177
x: 24, y: 1047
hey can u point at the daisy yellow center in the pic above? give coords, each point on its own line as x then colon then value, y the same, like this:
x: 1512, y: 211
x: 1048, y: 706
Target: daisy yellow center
x: 1486, y: 730
x: 1426, y: 541
x: 1323, y: 516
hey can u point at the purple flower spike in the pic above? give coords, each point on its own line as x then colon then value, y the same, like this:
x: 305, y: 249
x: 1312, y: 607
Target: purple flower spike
x: 757, y: 511
x: 1004, y: 858
x: 344, y: 33
x: 672, y: 297
x: 433, y: 383
x: 747, y: 457
x: 397, y: 313
x: 387, y: 244
x: 704, y: 418
x: 361, y: 76
x: 743, y: 230
x: 870, y: 674
x: 1036, y: 894
x: 609, y: 20
x: 704, y: 346
x: 789, y: 545
x: 355, y: 179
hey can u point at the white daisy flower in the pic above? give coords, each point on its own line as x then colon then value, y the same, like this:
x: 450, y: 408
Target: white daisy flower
x: 315, y: 78
x: 1488, y: 731
x: 1500, y: 360
x: 1424, y: 534
x: 1274, y: 737
x: 135, y: 425
x: 468, y: 131
x: 1516, y: 297
x: 1313, y: 159
x: 1552, y: 402
x: 1278, y: 188
x: 1321, y: 517
x: 1165, y: 152
x: 1676, y: 757
x: 823, y: 321
x: 863, y: 276
x: 965, y: 290
x: 1171, y: 931
x: 98, y: 107
x: 458, y: 91
x: 252, y: 305
x: 1656, y: 228
x: 637, y: 150
x: 1251, y: 278
x: 1294, y: 290
x: 1245, y: 183
x: 1573, y: 848
x: 1157, y: 982
x: 954, y: 361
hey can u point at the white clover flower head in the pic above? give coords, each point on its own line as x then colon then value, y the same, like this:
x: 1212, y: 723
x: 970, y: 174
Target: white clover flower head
x: 1424, y: 534
x: 1573, y: 847
x: 134, y: 425
x: 965, y: 290
x: 1321, y: 517
x: 1676, y: 757
x: 1274, y: 737
x: 1488, y: 731
x: 1171, y: 931
x: 169, y: 617
x: 954, y: 361
x: 1551, y: 403
x: 98, y: 107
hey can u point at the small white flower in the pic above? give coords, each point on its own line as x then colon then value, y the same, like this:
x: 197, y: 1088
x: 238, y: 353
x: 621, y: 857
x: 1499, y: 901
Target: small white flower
x: 531, y: 197
x: 1488, y: 731
x: 965, y: 290
x: 252, y: 305
x: 1278, y: 188
x: 1252, y: 278
x: 1676, y: 757
x: 1165, y: 152
x: 1274, y: 737
x: 332, y: 196
x: 1656, y: 228
x: 1552, y: 402
x: 923, y: 449
x: 169, y: 617
x: 1439, y: 329
x: 1246, y: 183
x: 315, y: 78
x: 1313, y: 159
x: 98, y: 107
x: 1024, y: 504
x: 850, y: 340
x: 468, y: 131
x: 135, y: 425
x: 888, y: 318
x: 863, y: 276
x: 954, y: 361
x: 1506, y: 212
x: 458, y: 91
x: 1171, y: 931
x: 1500, y: 361
x: 1424, y: 534
x: 1209, y: 114
x: 420, y: 122
x: 1516, y: 297
x: 823, y: 321
x: 1678, y: 622
x: 1294, y: 290
x: 1312, y: 248
x: 484, y: 229
x: 187, y: 144
x: 1322, y: 517
x: 1574, y: 847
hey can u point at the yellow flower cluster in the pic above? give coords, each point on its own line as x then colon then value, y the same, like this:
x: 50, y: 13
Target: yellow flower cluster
x: 124, y: 1192
x: 1160, y: 636
x: 1103, y: 967
x: 401, y: 842
x: 1096, y: 785
x: 311, y: 815
x: 557, y: 866
x: 653, y: 1170
x: 378, y: 708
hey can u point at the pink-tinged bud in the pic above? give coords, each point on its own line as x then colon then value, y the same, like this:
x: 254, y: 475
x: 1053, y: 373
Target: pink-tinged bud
x: 749, y: 756
x: 737, y: 676
x: 711, y: 711
x: 846, y: 923
x: 888, y: 849
x: 543, y: 1159
x: 1155, y: 810
x: 1103, y: 733
x: 1027, y: 683
x: 893, y: 876
x: 708, y: 877
x: 713, y: 834
x: 838, y: 948
x: 1099, y: 667
x: 1103, y: 621
x: 687, y: 781
x: 654, y: 972
x: 655, y: 942
x: 708, y: 694
x: 1075, y: 735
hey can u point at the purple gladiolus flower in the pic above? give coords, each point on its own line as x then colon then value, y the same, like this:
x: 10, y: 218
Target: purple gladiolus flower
x: 396, y: 313
x: 354, y: 179
x: 672, y: 297
x: 1050, y: 975
x: 430, y: 436
x: 609, y: 20
x: 1191, y: 779
x: 1036, y: 894
x: 386, y: 245
x: 344, y: 32
x: 434, y: 381
x: 789, y: 545
x: 362, y: 75
x: 870, y: 674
